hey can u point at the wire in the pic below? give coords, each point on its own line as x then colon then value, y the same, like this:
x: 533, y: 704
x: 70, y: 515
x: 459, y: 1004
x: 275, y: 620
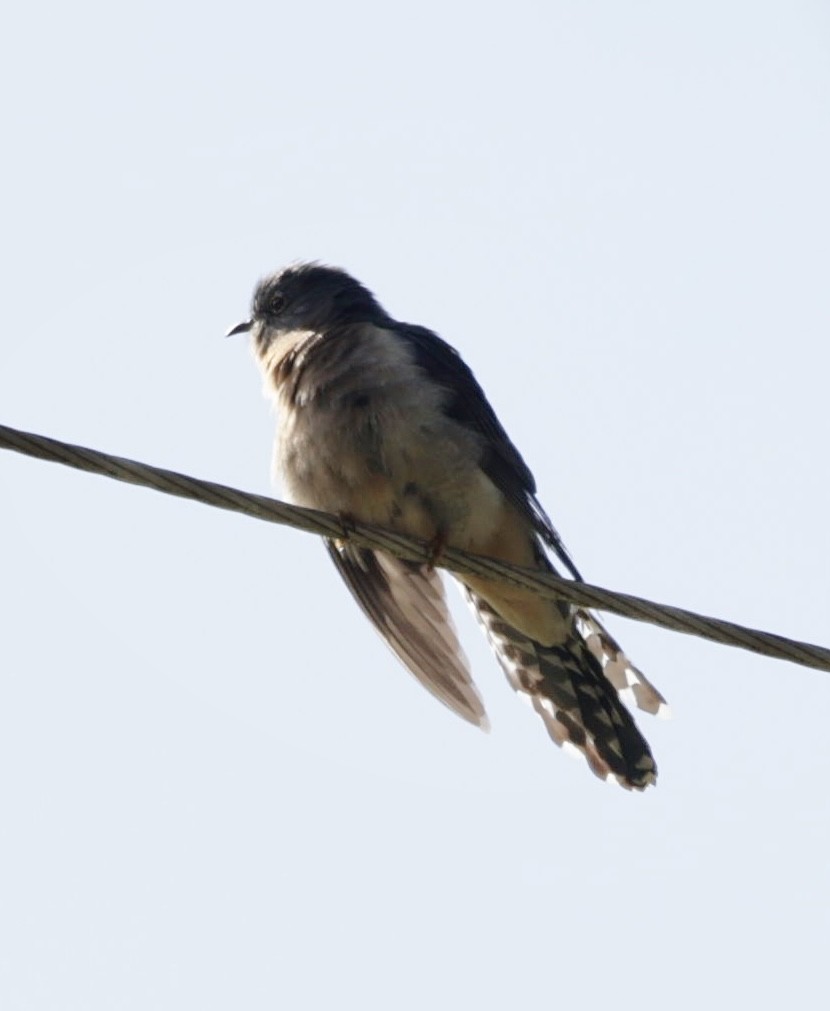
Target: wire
x: 323, y: 524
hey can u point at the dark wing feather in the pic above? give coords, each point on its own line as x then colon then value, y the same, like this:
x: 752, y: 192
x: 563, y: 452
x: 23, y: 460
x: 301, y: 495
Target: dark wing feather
x: 405, y: 602
x: 469, y: 406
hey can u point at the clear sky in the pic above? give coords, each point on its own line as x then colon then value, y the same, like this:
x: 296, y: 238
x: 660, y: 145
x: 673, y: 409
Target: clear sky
x: 218, y: 788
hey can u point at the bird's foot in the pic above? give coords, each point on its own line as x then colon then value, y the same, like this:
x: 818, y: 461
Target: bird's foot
x: 348, y: 525
x: 436, y: 549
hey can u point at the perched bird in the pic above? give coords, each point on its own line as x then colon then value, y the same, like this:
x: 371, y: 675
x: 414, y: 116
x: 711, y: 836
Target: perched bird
x: 383, y: 423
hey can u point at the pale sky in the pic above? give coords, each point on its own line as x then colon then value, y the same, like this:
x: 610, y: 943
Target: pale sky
x: 218, y: 788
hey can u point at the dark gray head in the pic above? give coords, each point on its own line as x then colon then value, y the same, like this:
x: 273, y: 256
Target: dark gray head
x: 308, y: 296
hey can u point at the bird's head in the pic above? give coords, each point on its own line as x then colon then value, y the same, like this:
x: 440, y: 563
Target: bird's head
x: 310, y: 297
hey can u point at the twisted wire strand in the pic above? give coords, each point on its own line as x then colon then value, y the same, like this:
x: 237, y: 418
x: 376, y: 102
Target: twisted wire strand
x: 323, y: 524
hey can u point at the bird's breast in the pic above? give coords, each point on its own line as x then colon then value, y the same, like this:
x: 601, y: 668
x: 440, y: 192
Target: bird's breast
x: 363, y: 432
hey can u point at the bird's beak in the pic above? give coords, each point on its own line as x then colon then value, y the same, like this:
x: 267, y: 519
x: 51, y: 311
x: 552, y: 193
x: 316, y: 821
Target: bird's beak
x: 240, y: 328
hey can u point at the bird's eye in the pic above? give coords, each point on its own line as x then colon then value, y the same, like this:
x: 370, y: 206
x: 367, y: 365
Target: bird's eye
x: 276, y: 305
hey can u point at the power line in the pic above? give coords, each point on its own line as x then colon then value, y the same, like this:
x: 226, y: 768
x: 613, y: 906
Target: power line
x: 323, y: 524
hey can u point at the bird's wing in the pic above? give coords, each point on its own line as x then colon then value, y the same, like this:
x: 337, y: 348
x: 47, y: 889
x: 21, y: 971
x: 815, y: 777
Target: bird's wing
x: 468, y: 405
x: 406, y: 604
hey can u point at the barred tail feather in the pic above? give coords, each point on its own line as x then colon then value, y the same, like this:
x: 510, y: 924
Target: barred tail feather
x: 579, y: 704
x: 630, y: 682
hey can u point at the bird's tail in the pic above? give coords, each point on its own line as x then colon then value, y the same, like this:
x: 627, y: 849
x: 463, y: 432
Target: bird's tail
x: 575, y: 687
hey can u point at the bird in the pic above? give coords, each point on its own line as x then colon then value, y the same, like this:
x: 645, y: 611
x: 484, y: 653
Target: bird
x: 382, y: 422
